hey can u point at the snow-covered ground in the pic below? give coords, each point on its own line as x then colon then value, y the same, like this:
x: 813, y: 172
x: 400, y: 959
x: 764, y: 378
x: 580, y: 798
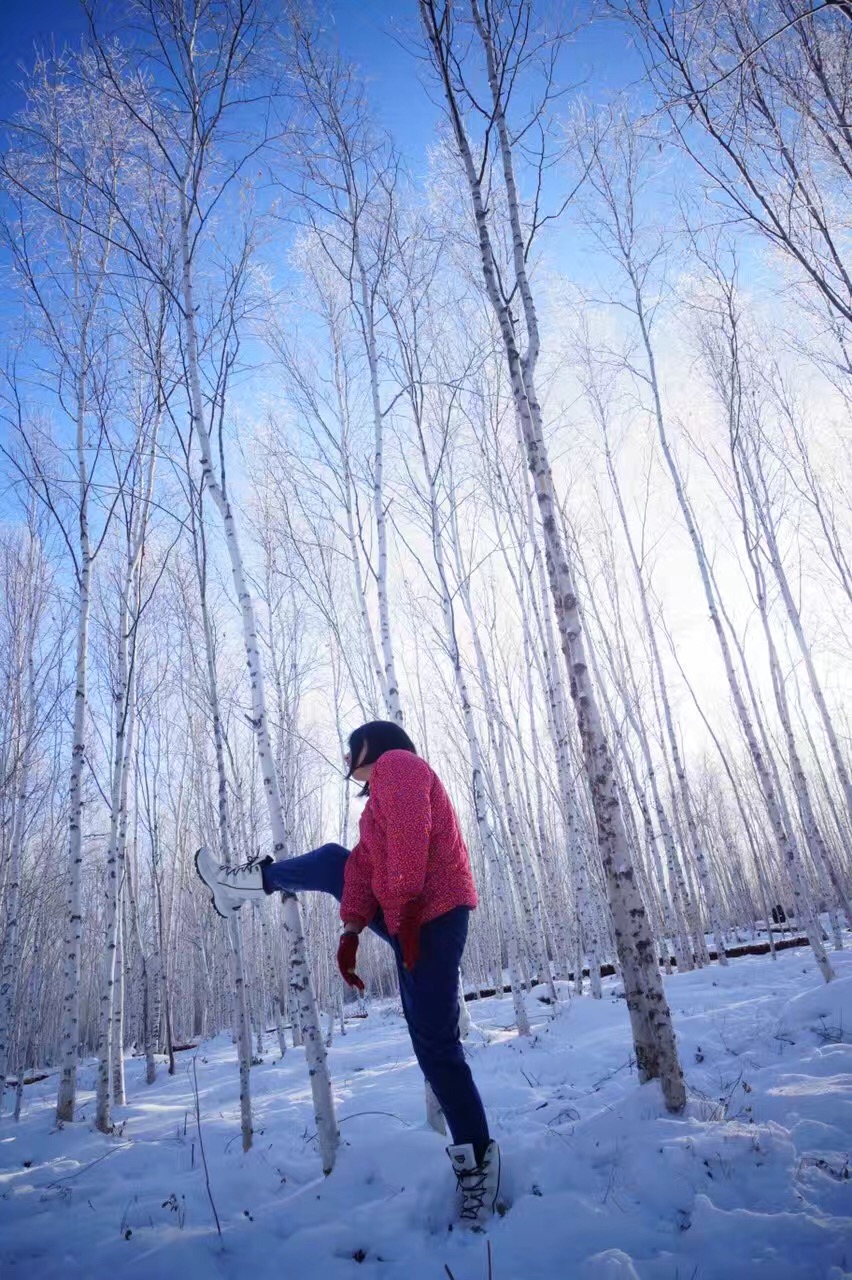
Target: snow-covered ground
x: 598, y: 1181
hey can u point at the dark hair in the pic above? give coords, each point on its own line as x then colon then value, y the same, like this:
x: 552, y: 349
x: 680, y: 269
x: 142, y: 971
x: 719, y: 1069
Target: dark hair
x: 380, y: 736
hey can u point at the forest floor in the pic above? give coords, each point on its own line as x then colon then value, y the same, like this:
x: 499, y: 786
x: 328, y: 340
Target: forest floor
x: 598, y: 1181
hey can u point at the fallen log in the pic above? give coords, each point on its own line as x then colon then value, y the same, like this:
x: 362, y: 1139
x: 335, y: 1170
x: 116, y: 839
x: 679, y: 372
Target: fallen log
x: 607, y: 970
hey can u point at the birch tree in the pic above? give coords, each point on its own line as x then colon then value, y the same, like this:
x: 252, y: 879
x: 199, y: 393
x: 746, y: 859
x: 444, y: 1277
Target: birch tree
x: 28, y: 650
x: 722, y: 344
x: 348, y: 195
x: 56, y: 174
x: 619, y: 189
x: 504, y: 37
x: 214, y: 69
x: 131, y: 589
x: 757, y: 97
x: 429, y: 385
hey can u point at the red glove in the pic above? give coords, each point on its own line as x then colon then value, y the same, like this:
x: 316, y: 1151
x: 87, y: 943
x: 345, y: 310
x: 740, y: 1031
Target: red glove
x: 409, y: 935
x: 346, y: 952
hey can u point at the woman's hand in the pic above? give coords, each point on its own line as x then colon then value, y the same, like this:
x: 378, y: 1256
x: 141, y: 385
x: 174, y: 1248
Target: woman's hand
x: 347, y: 950
x: 409, y: 935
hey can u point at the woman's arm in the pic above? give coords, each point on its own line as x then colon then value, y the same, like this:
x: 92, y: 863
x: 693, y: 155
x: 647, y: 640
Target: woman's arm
x: 358, y: 904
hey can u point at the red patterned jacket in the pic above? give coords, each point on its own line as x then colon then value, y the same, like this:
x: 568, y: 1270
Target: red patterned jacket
x: 410, y: 847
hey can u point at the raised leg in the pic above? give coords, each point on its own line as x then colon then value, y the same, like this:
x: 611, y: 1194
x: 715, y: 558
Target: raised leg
x: 320, y: 871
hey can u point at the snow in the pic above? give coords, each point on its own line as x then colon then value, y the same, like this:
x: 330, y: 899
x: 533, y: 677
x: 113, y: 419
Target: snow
x: 599, y: 1181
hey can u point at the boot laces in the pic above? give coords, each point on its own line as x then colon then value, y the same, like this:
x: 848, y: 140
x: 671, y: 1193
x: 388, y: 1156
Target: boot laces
x: 471, y: 1183
x: 241, y: 867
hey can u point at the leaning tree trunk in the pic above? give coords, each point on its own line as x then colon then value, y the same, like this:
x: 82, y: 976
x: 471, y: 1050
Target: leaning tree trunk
x: 653, y: 1033
x: 300, y: 977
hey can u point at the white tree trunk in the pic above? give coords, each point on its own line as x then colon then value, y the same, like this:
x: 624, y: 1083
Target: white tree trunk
x: 119, y: 994
x: 729, y: 380
x: 764, y: 515
x: 704, y: 873
x: 315, y: 1048
x: 123, y: 713
x: 146, y: 965
x: 67, y: 1091
x: 653, y: 1033
x: 813, y: 836
x: 390, y: 682
x: 10, y: 959
x: 486, y: 831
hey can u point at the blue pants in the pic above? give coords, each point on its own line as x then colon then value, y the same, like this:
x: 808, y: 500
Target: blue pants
x: 430, y: 998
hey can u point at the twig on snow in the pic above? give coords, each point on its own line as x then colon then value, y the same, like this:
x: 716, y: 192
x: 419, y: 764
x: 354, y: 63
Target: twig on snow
x: 201, y: 1145
x: 355, y: 1115
x: 66, y: 1177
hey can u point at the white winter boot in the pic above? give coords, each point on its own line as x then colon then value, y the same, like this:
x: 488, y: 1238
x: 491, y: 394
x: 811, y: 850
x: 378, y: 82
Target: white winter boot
x: 479, y: 1184
x: 230, y: 887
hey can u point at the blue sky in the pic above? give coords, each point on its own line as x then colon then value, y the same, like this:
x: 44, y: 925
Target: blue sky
x: 26, y: 26
x: 380, y: 37
x: 371, y: 32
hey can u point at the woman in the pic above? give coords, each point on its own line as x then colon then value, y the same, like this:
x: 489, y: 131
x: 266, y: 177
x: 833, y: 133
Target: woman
x: 409, y: 880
